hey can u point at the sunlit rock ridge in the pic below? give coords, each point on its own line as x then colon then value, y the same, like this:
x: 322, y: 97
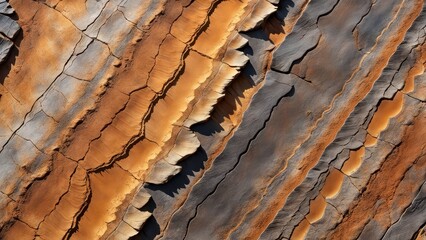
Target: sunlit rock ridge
x: 212, y: 119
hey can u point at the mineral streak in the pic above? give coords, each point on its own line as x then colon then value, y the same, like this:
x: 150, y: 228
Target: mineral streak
x: 212, y: 119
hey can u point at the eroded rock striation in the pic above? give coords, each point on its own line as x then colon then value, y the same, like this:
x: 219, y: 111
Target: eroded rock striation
x: 212, y: 119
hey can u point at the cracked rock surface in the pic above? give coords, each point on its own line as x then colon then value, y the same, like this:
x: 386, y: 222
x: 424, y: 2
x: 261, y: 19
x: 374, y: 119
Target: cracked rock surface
x: 9, y: 29
x: 212, y: 119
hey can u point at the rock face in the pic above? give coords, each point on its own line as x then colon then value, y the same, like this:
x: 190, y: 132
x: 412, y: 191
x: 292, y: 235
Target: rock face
x: 212, y: 119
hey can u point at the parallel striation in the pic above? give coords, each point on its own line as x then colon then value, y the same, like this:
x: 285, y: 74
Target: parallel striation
x: 220, y: 119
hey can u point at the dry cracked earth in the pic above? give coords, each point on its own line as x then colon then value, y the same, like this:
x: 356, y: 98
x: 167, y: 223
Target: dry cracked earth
x: 212, y: 119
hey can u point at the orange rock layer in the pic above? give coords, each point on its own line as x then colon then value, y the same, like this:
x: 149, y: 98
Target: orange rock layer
x: 222, y: 119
